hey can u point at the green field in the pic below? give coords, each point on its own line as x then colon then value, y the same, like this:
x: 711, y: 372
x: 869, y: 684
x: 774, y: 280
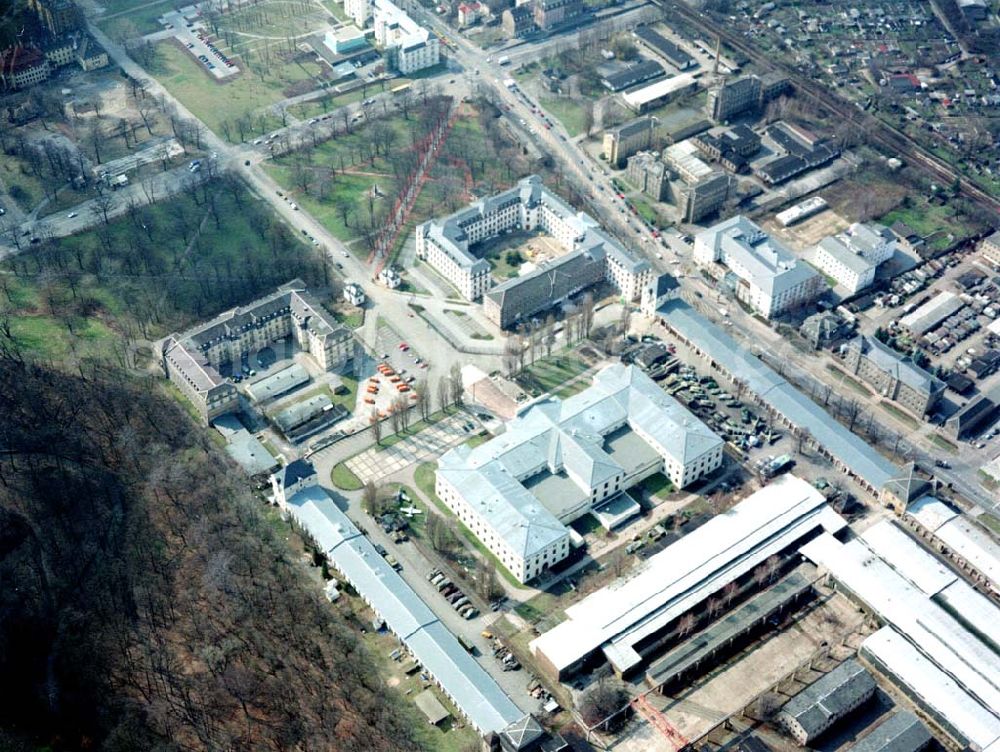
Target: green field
x: 22, y: 186
x: 547, y: 374
x: 344, y: 479
x: 128, y: 19
x: 658, y: 485
x: 118, y: 284
x: 567, y: 111
x: 220, y: 105
x: 899, y: 415
x: 942, y: 224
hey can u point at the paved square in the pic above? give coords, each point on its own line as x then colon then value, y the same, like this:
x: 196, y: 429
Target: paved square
x: 375, y: 464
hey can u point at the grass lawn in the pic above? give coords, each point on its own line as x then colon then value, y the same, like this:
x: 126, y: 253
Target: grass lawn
x: 24, y: 188
x: 218, y: 104
x: 567, y: 111
x: 899, y: 415
x: 424, y: 476
x: 586, y: 525
x: 352, y: 318
x: 849, y: 381
x: 335, y: 8
x: 990, y: 522
x: 132, y: 18
x: 930, y: 219
x: 545, y: 605
x: 479, y: 438
x: 942, y: 443
x: 657, y: 485
x: 648, y: 212
x: 343, y: 478
x: 51, y: 339
x: 548, y: 373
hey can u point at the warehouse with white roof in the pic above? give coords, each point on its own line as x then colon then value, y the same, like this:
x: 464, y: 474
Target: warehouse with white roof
x: 939, y: 642
x: 618, y: 622
x: 959, y: 538
x: 561, y: 459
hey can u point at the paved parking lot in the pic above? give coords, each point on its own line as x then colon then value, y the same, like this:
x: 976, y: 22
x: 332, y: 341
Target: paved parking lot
x: 188, y: 38
x: 377, y: 463
x: 387, y: 343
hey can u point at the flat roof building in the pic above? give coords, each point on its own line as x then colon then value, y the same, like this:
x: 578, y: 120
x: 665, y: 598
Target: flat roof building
x: 765, y: 274
x: 853, y: 256
x: 887, y: 572
x: 409, y: 47
x: 614, y: 622
x: 660, y: 92
x: 967, y: 544
x: 932, y: 313
x: 936, y: 692
x: 561, y: 459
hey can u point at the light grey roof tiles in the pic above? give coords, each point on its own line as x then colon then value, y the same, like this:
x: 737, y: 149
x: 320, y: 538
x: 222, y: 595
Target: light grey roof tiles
x: 900, y: 367
x: 568, y: 436
x: 769, y: 264
x: 847, y: 448
x: 474, y: 691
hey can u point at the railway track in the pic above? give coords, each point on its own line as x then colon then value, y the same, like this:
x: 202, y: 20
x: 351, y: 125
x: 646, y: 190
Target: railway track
x: 878, y: 131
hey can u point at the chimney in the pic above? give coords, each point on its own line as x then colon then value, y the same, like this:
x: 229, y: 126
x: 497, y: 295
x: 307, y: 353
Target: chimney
x: 718, y: 50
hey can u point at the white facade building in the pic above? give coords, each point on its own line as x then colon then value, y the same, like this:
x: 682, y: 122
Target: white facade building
x: 561, y: 459
x: 445, y: 243
x: 359, y: 11
x: 409, y: 47
x: 354, y: 294
x: 853, y: 256
x: 768, y: 277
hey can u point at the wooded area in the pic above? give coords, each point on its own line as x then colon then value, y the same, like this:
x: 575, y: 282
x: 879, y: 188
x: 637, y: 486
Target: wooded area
x: 146, y: 601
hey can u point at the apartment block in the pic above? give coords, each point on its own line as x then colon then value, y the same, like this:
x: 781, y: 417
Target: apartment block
x: 649, y: 175
x: 408, y: 46
x: 591, y: 256
x: 637, y: 135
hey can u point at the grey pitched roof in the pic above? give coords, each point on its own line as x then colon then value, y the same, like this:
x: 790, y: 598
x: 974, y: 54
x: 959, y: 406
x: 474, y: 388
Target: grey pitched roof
x: 295, y: 471
x: 897, y: 365
x: 523, y: 733
x: 556, y: 436
x: 465, y: 682
x: 766, y: 261
x: 846, y: 447
x: 901, y: 732
x: 832, y: 696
